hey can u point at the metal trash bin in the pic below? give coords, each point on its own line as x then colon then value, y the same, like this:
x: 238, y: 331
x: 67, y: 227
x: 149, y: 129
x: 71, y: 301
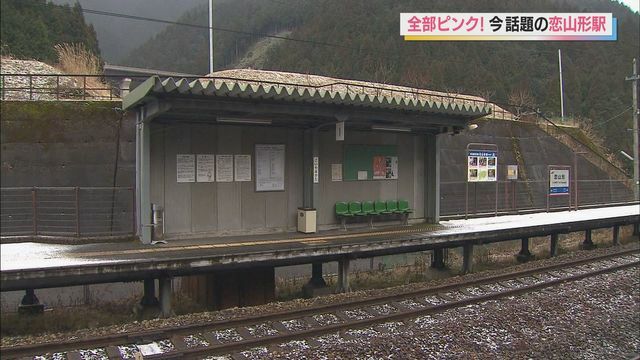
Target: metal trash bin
x: 306, y: 220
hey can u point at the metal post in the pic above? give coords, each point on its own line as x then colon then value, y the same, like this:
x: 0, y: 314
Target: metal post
x: 343, y: 274
x: 636, y: 134
x: 616, y: 235
x: 164, y: 283
x: 57, y: 87
x: 84, y: 87
x: 77, y: 191
x: 561, y: 87
x: 554, y: 245
x: 34, y: 207
x: 467, y: 258
x: 210, y: 36
x: 30, y: 87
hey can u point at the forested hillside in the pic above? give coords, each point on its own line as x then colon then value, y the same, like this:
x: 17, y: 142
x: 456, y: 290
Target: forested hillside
x: 369, y: 47
x: 31, y: 28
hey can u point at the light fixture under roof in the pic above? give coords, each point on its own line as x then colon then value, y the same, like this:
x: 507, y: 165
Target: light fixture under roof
x: 233, y: 120
x: 390, y: 128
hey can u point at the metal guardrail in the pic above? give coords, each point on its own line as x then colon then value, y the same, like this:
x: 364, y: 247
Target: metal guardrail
x: 67, y: 211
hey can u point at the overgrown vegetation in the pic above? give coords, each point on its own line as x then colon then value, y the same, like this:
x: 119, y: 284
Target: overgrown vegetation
x: 31, y: 28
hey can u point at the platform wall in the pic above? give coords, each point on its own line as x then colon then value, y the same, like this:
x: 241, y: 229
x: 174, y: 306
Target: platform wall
x: 236, y: 208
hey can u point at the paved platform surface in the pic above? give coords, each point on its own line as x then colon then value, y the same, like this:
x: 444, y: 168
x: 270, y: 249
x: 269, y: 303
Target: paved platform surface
x: 47, y: 265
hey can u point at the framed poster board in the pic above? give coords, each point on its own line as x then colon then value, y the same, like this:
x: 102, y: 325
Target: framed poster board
x: 270, y: 166
x: 370, y: 162
x: 482, y: 166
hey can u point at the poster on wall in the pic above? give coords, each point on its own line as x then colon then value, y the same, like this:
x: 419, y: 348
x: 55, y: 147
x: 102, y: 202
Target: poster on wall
x: 336, y: 172
x: 385, y: 167
x: 270, y: 162
x: 205, y: 164
x: 558, y: 182
x: 482, y: 166
x: 185, y: 168
x: 242, y: 167
x: 224, y: 167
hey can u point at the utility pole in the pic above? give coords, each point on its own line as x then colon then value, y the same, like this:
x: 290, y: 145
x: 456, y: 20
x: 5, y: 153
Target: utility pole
x: 561, y: 87
x: 636, y: 146
x: 210, y: 36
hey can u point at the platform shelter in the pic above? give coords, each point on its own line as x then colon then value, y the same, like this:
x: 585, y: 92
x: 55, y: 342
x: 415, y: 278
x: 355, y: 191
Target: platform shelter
x: 238, y: 152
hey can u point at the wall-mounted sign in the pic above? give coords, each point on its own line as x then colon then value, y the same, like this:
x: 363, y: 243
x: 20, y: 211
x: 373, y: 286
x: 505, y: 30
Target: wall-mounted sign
x: 242, y: 167
x: 205, y: 164
x: 316, y: 169
x: 512, y: 172
x: 185, y: 168
x: 336, y: 172
x: 224, y: 168
x: 482, y: 166
x: 340, y: 131
x: 558, y: 182
x: 363, y: 175
x: 270, y: 161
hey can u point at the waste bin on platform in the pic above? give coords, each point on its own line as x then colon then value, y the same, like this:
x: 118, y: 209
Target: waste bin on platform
x: 307, y: 220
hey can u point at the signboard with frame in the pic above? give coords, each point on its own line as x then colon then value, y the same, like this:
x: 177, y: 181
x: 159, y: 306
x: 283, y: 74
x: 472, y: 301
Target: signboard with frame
x: 482, y: 166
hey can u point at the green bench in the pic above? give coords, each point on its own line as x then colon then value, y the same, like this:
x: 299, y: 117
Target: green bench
x: 369, y: 209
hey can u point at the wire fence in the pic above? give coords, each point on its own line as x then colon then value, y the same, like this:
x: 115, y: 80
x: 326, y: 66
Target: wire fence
x: 522, y: 196
x: 49, y: 87
x: 67, y: 211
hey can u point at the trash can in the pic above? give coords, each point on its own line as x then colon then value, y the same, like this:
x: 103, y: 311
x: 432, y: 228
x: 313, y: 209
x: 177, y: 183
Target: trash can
x: 306, y: 220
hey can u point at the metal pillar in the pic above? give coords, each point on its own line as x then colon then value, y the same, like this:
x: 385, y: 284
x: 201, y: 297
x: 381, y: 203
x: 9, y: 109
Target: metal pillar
x: 432, y: 179
x: 165, y: 296
x: 524, y: 255
x: 636, y: 229
x: 143, y: 178
x: 554, y: 245
x: 438, y: 259
x: 30, y: 303
x: 616, y: 235
x: 467, y: 258
x: 311, y: 149
x: 149, y: 296
x: 588, y: 243
x: 343, y: 275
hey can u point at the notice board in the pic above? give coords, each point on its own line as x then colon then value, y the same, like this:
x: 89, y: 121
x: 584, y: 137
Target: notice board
x: 371, y: 159
x: 270, y: 162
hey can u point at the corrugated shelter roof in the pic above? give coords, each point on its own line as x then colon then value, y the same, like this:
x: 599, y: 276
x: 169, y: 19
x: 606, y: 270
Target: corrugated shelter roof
x: 301, y: 88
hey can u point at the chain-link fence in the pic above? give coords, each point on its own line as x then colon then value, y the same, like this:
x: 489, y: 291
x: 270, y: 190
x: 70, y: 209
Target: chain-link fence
x: 67, y: 211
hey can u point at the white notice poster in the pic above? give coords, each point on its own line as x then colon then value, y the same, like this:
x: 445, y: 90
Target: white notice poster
x: 336, y: 172
x: 185, y: 168
x: 205, y: 164
x: 270, y: 160
x: 242, y: 167
x: 224, y: 168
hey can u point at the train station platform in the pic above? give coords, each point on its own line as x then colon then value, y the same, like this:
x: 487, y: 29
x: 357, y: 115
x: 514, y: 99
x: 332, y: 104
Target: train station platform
x: 35, y: 265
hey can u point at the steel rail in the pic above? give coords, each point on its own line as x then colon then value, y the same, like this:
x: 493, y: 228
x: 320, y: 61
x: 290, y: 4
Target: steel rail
x: 163, y: 333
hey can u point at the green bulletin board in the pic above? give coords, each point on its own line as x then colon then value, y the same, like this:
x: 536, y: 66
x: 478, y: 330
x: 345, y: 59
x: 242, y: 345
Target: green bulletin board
x: 360, y: 158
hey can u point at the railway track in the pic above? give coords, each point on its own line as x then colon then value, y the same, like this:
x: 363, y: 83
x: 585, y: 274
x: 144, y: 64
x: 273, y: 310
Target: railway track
x: 233, y: 336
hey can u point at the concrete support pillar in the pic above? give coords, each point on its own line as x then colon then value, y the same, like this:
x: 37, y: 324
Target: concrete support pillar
x: 149, y: 296
x: 616, y: 235
x: 554, y: 245
x: 636, y: 229
x: 343, y: 275
x: 467, y: 258
x: 438, y: 259
x: 316, y: 285
x: 588, y: 243
x: 432, y: 179
x: 30, y: 303
x: 524, y: 255
x: 165, y: 296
